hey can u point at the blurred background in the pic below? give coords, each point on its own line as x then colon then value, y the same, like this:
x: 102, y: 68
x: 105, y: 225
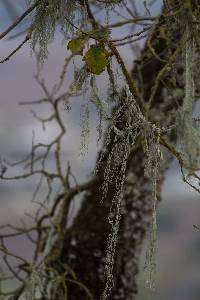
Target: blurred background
x: 178, y: 258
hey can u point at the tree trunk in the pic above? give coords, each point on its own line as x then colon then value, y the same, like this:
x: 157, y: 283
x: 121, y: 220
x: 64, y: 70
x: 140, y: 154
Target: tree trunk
x: 85, y: 242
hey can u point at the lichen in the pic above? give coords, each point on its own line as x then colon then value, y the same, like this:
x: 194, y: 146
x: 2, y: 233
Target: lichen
x: 152, y: 166
x: 187, y: 130
x: 101, y: 106
x: 48, y: 15
x: 125, y: 126
x: 85, y: 128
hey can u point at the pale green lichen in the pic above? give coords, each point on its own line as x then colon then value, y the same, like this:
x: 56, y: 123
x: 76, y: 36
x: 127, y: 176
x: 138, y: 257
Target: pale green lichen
x: 68, y: 15
x: 101, y: 106
x: 85, y: 128
x: 48, y: 15
x: 187, y: 130
x: 125, y: 126
x: 40, y: 277
x: 80, y: 81
x: 34, y: 284
x: 154, y: 156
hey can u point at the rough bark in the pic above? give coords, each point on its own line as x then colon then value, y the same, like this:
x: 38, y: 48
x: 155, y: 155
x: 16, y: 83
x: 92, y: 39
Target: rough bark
x: 86, y: 241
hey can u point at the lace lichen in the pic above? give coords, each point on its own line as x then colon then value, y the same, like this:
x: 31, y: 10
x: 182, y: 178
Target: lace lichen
x: 40, y: 278
x: 34, y: 284
x: 126, y: 126
x: 67, y: 15
x: 85, y: 128
x: 152, y: 150
x: 47, y: 16
x: 187, y: 131
x: 80, y: 82
x: 101, y: 106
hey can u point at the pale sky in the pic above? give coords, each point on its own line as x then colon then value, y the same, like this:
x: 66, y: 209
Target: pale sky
x: 16, y: 125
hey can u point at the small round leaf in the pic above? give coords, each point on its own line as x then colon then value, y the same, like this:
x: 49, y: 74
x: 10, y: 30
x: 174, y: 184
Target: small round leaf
x: 97, y: 58
x: 76, y: 46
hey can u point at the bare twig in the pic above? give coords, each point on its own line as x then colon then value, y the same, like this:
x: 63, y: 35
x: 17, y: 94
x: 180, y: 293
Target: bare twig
x: 19, y: 19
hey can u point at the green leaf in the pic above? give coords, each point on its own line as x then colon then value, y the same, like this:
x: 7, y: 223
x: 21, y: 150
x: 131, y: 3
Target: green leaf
x: 96, y: 59
x: 76, y: 46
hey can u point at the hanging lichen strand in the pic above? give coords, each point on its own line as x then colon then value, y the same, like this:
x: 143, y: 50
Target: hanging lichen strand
x: 128, y: 124
x: 123, y: 132
x: 152, y: 166
x: 48, y: 15
x: 85, y: 128
x: 187, y: 131
x: 68, y: 15
x: 40, y: 277
x: 101, y: 107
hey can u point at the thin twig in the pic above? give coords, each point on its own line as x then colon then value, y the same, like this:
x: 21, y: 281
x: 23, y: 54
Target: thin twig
x: 19, y: 19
